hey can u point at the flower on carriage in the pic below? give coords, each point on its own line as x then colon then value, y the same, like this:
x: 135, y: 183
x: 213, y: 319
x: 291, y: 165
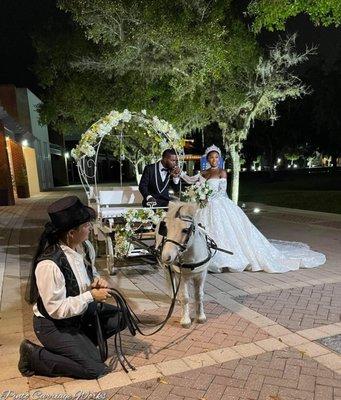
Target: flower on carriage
x: 75, y: 153
x: 87, y: 149
x: 126, y: 116
x: 134, y: 220
x: 198, y: 193
x: 122, y: 244
x: 89, y: 136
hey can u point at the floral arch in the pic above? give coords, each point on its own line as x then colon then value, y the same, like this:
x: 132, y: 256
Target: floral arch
x: 86, y: 152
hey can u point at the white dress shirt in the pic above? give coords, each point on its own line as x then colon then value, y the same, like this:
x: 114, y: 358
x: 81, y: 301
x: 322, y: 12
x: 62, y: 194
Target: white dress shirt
x: 163, y: 175
x: 51, y: 285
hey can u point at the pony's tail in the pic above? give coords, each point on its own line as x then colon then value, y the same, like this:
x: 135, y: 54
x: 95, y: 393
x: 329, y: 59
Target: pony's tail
x: 47, y: 238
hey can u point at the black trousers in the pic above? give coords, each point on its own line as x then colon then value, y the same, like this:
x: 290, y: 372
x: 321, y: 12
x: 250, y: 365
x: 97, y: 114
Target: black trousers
x: 70, y: 350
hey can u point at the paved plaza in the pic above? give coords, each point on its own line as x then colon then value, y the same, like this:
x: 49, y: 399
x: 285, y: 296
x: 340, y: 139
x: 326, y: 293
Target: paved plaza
x: 267, y: 337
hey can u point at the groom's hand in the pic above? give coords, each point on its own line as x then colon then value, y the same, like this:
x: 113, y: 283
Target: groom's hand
x: 175, y: 172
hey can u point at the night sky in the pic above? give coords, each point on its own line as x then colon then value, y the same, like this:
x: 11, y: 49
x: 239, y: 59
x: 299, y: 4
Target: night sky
x: 19, y: 17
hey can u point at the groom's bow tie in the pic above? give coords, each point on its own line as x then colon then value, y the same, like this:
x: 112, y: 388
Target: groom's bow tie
x: 164, y: 169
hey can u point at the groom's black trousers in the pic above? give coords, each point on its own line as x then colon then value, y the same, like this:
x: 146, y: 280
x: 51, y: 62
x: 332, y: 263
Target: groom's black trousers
x: 70, y: 350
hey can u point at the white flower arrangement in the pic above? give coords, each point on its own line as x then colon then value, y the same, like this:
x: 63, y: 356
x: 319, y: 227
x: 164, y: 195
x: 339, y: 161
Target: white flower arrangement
x: 198, y: 193
x: 134, y: 220
x: 169, y: 137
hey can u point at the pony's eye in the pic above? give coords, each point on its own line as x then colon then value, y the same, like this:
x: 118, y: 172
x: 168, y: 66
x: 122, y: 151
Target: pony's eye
x: 185, y: 230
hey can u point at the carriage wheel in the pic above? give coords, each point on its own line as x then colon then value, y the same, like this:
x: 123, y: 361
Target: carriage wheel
x: 110, y: 256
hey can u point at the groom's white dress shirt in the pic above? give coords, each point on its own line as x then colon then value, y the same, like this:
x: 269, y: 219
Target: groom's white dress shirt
x: 51, y: 286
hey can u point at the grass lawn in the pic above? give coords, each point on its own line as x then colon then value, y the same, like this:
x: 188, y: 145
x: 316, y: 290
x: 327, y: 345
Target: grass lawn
x: 316, y: 192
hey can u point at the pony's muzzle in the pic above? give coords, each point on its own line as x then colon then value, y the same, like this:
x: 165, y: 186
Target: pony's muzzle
x: 169, y: 253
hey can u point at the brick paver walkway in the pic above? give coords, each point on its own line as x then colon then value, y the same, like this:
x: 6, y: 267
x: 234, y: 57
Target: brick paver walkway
x: 299, y: 308
x: 222, y: 329
x: 261, y: 340
x: 277, y: 375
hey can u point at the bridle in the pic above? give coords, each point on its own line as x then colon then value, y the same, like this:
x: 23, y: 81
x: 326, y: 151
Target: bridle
x: 184, y: 246
x: 190, y: 231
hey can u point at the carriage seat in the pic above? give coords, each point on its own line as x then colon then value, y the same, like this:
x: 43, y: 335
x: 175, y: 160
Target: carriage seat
x: 120, y: 196
x: 113, y: 203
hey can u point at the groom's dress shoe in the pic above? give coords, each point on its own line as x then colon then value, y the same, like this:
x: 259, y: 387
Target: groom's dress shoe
x: 26, y: 350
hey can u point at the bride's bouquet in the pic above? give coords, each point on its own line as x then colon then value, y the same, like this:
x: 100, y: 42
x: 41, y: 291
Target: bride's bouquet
x: 199, y: 193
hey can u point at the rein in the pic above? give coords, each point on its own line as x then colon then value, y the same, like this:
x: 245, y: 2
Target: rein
x: 129, y: 318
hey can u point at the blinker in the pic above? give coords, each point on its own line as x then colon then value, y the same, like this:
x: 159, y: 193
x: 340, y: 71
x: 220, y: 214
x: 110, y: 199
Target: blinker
x: 163, y: 228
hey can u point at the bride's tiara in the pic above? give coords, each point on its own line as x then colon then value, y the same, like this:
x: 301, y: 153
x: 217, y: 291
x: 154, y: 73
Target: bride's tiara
x: 212, y: 148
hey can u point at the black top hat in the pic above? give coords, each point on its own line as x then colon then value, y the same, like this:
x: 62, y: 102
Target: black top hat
x: 69, y: 212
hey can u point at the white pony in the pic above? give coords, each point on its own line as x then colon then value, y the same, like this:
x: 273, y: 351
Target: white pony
x: 184, y: 247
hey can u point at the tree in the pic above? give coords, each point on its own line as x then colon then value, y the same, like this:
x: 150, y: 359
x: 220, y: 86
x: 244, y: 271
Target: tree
x: 292, y: 155
x: 84, y: 79
x: 272, y: 14
x: 179, y: 60
x: 268, y: 85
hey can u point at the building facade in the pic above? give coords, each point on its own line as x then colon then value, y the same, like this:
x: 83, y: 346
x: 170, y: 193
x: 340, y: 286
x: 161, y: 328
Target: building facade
x: 25, y: 156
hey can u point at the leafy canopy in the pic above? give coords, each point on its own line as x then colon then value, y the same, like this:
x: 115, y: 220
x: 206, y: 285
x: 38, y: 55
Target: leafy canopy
x: 272, y: 14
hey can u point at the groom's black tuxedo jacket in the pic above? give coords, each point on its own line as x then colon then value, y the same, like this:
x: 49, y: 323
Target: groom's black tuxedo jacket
x: 148, y: 186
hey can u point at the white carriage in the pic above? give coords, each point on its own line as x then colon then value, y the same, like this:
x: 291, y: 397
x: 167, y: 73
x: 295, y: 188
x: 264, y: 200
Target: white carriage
x: 113, y: 205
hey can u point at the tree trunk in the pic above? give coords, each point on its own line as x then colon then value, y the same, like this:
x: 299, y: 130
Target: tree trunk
x: 138, y: 175
x: 235, y: 156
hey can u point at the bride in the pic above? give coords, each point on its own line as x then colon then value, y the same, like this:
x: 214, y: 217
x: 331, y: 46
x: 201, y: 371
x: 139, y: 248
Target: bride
x: 231, y: 229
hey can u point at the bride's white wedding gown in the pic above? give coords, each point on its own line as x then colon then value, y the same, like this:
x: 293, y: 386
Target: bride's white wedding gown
x: 231, y: 229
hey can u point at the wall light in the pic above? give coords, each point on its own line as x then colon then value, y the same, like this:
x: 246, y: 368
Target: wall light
x: 256, y: 210
x: 279, y: 160
x: 24, y: 143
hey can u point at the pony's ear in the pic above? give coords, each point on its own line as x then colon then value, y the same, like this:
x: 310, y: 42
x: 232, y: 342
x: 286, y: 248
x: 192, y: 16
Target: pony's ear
x: 190, y: 209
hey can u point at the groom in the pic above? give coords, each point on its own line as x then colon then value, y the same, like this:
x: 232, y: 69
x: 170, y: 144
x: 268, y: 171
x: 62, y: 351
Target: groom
x: 157, y: 178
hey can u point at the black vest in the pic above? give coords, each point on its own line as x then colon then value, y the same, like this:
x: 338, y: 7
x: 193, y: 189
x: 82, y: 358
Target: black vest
x: 55, y: 253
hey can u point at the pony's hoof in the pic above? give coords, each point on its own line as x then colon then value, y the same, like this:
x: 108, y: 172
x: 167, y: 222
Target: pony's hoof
x: 186, y: 324
x: 201, y: 320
